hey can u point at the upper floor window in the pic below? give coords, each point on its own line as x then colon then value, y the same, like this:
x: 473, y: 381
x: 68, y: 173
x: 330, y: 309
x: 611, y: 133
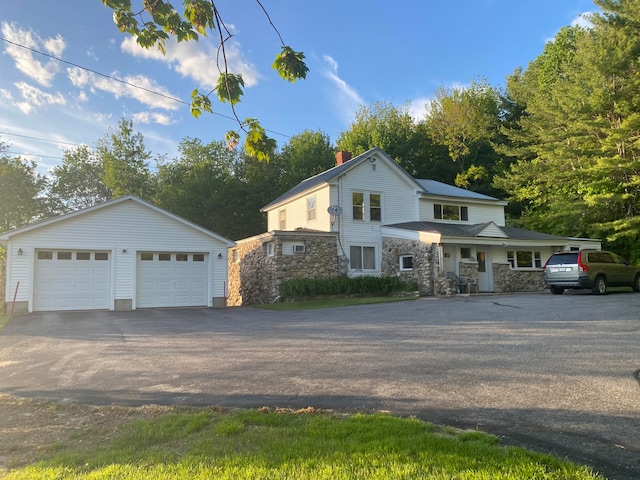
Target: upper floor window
x: 311, y: 209
x: 357, y: 199
x: 367, y: 206
x: 450, y: 212
x: 282, y: 219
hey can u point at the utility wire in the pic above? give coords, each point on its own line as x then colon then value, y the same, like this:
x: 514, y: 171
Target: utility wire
x: 115, y: 79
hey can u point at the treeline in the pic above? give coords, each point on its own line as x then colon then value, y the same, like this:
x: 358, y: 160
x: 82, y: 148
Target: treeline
x: 561, y: 142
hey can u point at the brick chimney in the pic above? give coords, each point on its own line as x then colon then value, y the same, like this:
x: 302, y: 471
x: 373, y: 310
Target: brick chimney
x: 342, y: 157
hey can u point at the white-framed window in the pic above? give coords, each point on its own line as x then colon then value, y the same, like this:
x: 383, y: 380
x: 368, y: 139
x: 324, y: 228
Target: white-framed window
x: 282, y: 219
x: 357, y: 200
x: 311, y: 209
x: 406, y: 263
x: 450, y: 212
x: 270, y: 249
x: 465, y: 253
x: 520, y: 259
x: 362, y: 257
x: 236, y: 255
x: 367, y: 206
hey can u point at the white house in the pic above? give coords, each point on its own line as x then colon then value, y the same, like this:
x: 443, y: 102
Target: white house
x: 120, y: 255
x: 385, y: 222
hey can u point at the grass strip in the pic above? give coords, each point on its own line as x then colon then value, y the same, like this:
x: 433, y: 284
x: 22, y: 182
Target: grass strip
x: 282, y: 444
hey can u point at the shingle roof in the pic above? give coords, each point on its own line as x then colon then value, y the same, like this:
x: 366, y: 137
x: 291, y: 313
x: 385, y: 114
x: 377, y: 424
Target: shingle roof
x: 321, y: 178
x: 455, y: 230
x: 443, y: 189
x: 429, y: 186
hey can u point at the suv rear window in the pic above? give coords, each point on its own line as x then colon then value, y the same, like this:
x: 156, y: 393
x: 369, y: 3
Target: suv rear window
x: 562, y: 258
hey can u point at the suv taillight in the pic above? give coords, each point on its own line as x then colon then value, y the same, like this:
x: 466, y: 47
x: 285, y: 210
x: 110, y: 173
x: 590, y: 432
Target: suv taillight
x: 581, y: 266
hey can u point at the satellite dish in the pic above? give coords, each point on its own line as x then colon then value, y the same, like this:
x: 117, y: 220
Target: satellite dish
x: 334, y: 210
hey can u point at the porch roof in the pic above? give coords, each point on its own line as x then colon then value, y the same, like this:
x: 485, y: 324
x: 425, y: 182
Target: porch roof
x: 474, y: 231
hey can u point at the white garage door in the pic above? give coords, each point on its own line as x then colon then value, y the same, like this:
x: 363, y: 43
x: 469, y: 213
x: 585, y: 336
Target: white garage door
x: 172, y: 279
x: 72, y: 280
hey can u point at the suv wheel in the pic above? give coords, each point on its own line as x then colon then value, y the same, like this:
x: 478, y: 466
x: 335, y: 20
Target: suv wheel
x: 556, y: 290
x: 599, y: 286
x: 636, y: 284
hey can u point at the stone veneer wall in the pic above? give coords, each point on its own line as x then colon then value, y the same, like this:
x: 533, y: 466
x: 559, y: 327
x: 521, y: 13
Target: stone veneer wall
x: 256, y: 278
x: 423, y: 262
x: 507, y: 280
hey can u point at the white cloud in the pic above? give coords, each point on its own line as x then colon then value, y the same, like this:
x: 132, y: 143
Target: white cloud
x: 34, y: 97
x: 55, y: 46
x: 23, y: 58
x: 145, y: 91
x: 151, y: 117
x: 345, y: 97
x: 582, y: 20
x: 4, y: 93
x: 82, y: 96
x: 418, y: 108
x: 196, y: 60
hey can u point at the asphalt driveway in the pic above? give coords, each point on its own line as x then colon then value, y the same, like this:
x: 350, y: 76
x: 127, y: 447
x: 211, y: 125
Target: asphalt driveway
x: 557, y: 373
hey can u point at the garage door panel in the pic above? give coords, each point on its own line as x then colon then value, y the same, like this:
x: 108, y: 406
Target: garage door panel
x: 65, y: 281
x: 170, y: 282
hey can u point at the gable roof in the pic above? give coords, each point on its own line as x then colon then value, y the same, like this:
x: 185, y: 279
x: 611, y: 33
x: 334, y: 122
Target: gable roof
x: 474, y: 231
x: 128, y: 198
x: 428, y: 187
x: 334, y: 172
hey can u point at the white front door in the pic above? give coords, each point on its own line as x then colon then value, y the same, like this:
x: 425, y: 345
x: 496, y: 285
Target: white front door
x: 72, y: 280
x: 172, y: 279
x: 485, y: 283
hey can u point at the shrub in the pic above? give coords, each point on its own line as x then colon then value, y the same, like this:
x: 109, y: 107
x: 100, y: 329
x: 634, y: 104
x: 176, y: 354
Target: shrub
x: 312, y: 287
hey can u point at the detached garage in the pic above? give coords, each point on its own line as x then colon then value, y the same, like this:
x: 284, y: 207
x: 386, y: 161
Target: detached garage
x: 120, y: 255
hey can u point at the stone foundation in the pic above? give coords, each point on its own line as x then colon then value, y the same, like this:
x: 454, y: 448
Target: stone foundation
x: 507, y: 280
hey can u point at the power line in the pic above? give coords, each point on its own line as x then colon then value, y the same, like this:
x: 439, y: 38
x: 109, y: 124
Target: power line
x: 115, y: 79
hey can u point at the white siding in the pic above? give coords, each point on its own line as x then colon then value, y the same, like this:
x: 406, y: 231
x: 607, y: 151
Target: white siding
x: 478, y: 213
x: 297, y: 213
x: 123, y: 228
x: 398, y: 199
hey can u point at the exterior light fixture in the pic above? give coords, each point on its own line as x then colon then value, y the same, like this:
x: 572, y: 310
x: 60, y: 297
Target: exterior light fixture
x: 19, y: 251
x: 220, y: 256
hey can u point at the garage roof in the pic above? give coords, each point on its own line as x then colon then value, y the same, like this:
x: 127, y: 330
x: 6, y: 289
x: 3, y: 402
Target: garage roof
x: 4, y: 238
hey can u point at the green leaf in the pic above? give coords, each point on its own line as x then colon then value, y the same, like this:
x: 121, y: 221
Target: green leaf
x: 229, y: 87
x: 200, y: 103
x: 290, y: 64
x: 257, y: 143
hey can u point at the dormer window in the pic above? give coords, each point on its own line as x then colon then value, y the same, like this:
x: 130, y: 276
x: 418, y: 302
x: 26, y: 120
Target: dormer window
x: 450, y: 212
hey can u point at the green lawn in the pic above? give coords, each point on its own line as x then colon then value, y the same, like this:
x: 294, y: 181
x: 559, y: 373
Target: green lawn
x: 266, y: 444
x: 329, y: 302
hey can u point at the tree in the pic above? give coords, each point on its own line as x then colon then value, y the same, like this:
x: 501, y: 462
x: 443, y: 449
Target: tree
x: 466, y: 120
x: 21, y: 192
x: 304, y: 155
x: 124, y: 159
x: 579, y: 172
x: 79, y: 181
x: 200, y: 186
x: 156, y: 21
x: 408, y: 142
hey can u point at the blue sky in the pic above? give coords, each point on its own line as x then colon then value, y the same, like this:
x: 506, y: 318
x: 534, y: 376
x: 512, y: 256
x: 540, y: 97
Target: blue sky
x: 357, y: 52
